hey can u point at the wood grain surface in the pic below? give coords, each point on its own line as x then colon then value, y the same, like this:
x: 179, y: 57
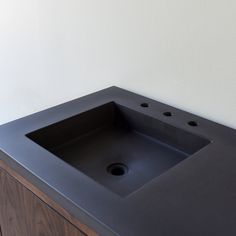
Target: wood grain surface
x: 22, y: 213
x: 41, y: 195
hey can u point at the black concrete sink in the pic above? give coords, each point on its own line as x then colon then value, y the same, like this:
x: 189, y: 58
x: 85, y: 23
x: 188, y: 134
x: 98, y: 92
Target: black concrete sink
x: 118, y: 147
x: 124, y: 164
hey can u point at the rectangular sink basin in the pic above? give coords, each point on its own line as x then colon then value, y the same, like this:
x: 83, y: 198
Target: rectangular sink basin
x: 118, y: 147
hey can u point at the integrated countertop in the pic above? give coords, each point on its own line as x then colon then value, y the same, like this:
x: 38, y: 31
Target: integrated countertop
x: 197, y: 196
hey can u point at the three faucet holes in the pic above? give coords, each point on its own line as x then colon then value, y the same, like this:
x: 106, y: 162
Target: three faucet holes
x: 169, y: 114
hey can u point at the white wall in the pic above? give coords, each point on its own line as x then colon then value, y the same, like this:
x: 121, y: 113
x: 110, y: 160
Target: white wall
x: 181, y: 52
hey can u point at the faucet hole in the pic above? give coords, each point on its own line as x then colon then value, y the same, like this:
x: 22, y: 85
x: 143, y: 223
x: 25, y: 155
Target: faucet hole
x: 117, y: 169
x: 144, y: 104
x: 167, y: 113
x: 193, y: 123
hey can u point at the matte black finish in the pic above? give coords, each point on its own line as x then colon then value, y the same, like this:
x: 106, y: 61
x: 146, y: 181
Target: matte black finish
x: 127, y: 165
x: 95, y: 140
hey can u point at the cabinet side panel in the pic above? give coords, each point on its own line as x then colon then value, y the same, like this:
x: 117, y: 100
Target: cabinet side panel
x: 23, y: 214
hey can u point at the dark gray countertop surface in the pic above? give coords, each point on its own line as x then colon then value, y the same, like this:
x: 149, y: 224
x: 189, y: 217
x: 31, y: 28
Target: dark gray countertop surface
x: 195, y: 197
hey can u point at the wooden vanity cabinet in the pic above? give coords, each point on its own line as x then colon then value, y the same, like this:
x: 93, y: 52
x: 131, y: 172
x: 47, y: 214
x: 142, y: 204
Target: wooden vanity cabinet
x: 23, y: 213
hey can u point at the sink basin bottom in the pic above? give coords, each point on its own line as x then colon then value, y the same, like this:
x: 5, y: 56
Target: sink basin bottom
x: 121, y: 159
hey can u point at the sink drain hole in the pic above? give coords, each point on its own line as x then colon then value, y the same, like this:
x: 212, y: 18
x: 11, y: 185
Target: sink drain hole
x: 117, y: 169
